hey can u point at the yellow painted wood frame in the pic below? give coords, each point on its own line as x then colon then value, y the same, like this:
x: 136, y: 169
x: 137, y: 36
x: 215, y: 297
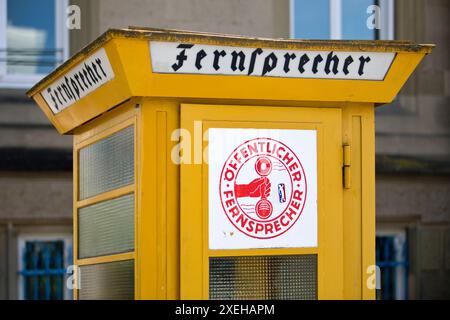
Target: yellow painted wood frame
x: 157, y: 253
x: 171, y: 252
x: 158, y: 263
x: 194, y: 190
x: 129, y: 54
x: 97, y: 130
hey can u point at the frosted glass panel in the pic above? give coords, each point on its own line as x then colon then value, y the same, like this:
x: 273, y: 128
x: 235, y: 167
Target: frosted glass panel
x: 263, y: 277
x: 107, y: 164
x: 106, y: 228
x: 107, y: 281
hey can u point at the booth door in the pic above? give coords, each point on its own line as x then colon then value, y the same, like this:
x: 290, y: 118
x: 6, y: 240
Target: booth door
x: 261, y: 202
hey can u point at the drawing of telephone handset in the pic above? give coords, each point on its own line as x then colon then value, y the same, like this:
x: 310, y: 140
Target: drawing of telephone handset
x: 263, y: 207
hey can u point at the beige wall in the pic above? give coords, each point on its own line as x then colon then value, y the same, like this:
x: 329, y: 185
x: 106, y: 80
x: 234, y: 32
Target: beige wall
x: 36, y: 196
x: 263, y: 18
x: 266, y: 18
x: 413, y: 198
x: 418, y: 124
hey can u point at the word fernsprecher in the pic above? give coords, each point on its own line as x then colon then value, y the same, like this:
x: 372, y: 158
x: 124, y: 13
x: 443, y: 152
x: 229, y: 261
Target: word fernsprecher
x: 208, y: 59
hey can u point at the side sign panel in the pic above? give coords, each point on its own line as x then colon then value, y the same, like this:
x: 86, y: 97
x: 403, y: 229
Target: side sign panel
x: 262, y: 188
x: 84, y: 78
x: 174, y: 57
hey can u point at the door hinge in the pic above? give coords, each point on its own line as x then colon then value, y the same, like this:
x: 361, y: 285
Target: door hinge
x: 346, y: 167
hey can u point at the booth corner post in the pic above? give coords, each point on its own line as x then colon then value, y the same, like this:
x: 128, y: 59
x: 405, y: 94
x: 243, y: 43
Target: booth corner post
x: 211, y: 166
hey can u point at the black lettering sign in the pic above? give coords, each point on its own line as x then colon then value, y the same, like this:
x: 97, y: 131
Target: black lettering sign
x: 362, y: 62
x: 217, y: 55
x: 200, y: 55
x: 270, y: 62
x: 68, y: 89
x: 235, y: 55
x: 287, y: 59
x: 182, y: 56
x: 258, y: 61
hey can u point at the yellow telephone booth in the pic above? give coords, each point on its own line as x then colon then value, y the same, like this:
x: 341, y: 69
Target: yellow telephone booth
x: 211, y: 166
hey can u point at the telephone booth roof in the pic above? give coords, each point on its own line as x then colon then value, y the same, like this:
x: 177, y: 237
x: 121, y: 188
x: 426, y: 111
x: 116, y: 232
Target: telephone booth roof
x: 197, y: 67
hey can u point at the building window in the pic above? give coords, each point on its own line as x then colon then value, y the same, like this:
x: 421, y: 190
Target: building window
x: 341, y: 19
x: 33, y: 40
x: 393, y: 260
x: 43, y: 262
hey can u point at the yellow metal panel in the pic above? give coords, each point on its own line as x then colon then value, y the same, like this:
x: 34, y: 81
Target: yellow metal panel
x: 148, y: 228
x: 97, y: 102
x: 75, y: 219
x: 104, y: 259
x: 161, y: 202
x: 129, y: 54
x: 194, y: 204
x: 96, y: 134
x: 267, y: 251
x: 359, y: 206
x: 159, y: 224
x: 146, y: 34
x: 137, y: 202
x: 285, y: 89
x: 352, y: 209
x: 173, y: 203
x: 106, y: 196
x: 368, y: 199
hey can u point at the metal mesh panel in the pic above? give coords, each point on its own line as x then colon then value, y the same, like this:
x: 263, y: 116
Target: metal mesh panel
x: 107, y: 281
x: 106, y: 228
x: 107, y: 164
x: 263, y: 277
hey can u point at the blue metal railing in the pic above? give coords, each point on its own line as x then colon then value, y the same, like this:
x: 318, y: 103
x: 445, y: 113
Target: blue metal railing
x: 43, y: 270
x: 392, y: 257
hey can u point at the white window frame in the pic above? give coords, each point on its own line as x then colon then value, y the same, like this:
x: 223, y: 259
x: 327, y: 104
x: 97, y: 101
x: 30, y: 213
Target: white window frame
x: 386, y: 10
x: 22, y: 239
x: 25, y: 81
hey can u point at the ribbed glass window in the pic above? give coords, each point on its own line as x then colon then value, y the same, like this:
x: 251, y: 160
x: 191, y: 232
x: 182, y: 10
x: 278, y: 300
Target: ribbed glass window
x: 107, y: 164
x: 106, y: 227
x: 263, y: 277
x: 107, y: 281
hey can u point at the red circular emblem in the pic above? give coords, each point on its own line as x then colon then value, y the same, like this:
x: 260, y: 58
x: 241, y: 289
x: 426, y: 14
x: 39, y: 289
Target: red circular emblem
x: 263, y: 188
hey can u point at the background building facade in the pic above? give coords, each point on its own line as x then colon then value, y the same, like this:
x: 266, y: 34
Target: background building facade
x: 412, y: 133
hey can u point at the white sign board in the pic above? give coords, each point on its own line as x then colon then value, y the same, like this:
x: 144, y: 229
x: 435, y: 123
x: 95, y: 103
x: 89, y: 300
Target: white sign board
x: 175, y: 57
x: 262, y: 188
x: 84, y: 78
